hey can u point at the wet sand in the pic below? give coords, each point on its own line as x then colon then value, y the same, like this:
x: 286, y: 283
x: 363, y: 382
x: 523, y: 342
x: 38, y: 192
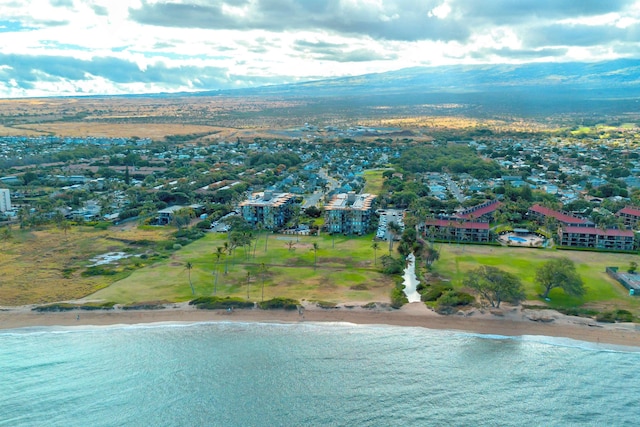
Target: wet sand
x: 510, y: 321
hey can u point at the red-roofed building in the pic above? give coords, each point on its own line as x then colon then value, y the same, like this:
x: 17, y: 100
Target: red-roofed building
x: 592, y: 237
x: 466, y: 231
x: 539, y: 213
x: 480, y: 213
x: 630, y: 215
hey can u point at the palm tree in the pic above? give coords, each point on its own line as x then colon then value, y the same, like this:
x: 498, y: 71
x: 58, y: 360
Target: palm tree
x: 255, y: 245
x: 315, y: 254
x: 248, y: 279
x: 218, y: 253
x: 394, y: 230
x: 189, y: 266
x: 228, y: 249
x: 375, y: 246
x: 263, y: 271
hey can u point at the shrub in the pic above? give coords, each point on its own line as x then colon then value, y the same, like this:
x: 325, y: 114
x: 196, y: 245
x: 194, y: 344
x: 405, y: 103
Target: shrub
x: 279, y: 303
x: 204, y: 225
x: 433, y: 292
x: 55, y: 307
x: 98, y: 270
x: 398, y: 298
x: 326, y: 304
x: 98, y: 306
x: 451, y: 299
x: 216, y: 303
x: 370, y: 305
x: 149, y: 305
x: 615, y: 316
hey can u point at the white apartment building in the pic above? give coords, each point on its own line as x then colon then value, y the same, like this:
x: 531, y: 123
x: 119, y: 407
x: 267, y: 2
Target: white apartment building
x: 5, y: 200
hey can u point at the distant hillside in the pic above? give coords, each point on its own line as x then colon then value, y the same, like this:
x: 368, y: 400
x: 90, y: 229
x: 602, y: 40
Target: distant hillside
x: 538, y: 88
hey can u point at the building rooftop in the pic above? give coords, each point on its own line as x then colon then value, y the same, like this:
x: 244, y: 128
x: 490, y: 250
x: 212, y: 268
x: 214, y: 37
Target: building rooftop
x: 267, y: 198
x: 351, y: 201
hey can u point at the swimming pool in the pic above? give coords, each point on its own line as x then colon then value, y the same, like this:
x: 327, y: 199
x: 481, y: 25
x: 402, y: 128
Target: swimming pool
x: 517, y: 239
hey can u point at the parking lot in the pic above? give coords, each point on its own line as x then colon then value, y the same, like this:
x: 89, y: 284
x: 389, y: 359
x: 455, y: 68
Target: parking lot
x: 387, y: 216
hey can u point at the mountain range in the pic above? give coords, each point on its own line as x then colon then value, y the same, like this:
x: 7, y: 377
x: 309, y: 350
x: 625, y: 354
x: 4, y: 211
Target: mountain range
x: 611, y: 87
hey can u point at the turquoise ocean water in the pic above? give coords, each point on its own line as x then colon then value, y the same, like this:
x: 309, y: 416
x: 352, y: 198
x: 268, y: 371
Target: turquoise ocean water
x: 245, y: 374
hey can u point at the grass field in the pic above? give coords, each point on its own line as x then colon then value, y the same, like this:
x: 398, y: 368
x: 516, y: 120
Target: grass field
x: 344, y: 271
x: 373, y: 181
x: 45, y: 265
x: 602, y: 291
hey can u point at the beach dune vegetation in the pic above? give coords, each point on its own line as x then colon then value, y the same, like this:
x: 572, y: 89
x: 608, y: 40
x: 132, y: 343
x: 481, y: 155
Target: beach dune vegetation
x: 279, y: 303
x: 217, y: 303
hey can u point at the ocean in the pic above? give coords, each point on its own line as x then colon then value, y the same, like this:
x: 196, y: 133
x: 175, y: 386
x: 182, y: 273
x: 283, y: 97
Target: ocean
x: 309, y: 374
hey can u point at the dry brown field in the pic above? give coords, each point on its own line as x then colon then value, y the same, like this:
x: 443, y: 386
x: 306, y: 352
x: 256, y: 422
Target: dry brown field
x: 43, y: 266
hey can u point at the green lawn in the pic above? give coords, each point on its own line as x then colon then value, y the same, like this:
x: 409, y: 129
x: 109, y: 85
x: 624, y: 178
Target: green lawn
x: 344, y: 272
x: 373, y: 181
x: 342, y: 263
x: 602, y: 291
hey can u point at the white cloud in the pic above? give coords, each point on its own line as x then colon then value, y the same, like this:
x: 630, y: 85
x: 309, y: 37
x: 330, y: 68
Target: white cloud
x: 242, y: 42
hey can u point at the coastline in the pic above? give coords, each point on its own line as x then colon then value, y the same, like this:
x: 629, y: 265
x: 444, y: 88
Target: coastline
x: 510, y: 321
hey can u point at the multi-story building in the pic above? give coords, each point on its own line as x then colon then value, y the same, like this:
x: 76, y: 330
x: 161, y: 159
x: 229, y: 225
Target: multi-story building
x: 457, y: 231
x: 270, y: 209
x: 630, y: 215
x: 592, y: 237
x: 5, y: 200
x: 539, y: 213
x: 483, y: 212
x: 349, y: 213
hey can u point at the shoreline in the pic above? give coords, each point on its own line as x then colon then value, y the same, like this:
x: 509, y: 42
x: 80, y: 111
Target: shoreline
x: 510, y: 321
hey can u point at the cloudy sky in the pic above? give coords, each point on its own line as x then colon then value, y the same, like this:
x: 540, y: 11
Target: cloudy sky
x: 68, y: 47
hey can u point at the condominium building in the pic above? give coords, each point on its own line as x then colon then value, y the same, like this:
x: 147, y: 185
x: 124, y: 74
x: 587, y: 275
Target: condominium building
x: 270, y: 209
x: 592, y: 237
x: 630, y: 215
x: 457, y: 231
x: 349, y: 213
x: 5, y: 200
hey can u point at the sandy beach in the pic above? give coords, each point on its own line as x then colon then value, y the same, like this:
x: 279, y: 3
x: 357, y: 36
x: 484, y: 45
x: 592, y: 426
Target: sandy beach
x: 509, y: 321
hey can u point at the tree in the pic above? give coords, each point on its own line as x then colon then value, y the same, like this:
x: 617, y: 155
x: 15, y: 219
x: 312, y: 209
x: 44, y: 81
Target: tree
x: 394, y: 230
x: 64, y: 226
x: 263, y: 272
x: 189, y: 267
x: 315, y: 254
x: 375, y: 246
x: 495, y: 285
x: 431, y: 255
x: 248, y: 280
x: 218, y: 253
x: 560, y: 273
